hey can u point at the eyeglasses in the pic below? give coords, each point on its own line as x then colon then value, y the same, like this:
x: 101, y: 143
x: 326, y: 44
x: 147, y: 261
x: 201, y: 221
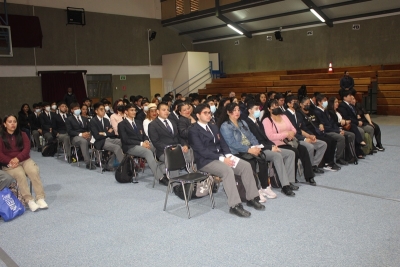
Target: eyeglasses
x: 206, y: 112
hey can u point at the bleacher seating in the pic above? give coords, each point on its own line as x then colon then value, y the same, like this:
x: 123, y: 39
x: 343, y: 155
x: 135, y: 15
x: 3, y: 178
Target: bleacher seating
x: 317, y: 80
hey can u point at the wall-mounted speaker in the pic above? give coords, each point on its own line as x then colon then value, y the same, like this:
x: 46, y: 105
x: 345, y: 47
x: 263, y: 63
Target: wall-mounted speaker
x: 76, y: 16
x: 278, y: 36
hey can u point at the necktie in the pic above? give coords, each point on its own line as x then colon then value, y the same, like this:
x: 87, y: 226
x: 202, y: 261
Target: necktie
x: 352, y: 108
x: 80, y: 122
x: 102, y: 123
x: 134, y: 127
x: 257, y: 123
x: 48, y: 114
x: 168, y: 127
x: 64, y: 117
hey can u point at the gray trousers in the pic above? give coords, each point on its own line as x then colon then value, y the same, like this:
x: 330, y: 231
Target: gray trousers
x: 114, y: 145
x: 5, y: 180
x: 284, y: 164
x: 36, y: 135
x: 319, y: 146
x: 340, y: 143
x: 142, y: 152
x: 64, y: 138
x: 369, y: 129
x: 243, y: 169
x: 84, y: 145
x: 48, y: 137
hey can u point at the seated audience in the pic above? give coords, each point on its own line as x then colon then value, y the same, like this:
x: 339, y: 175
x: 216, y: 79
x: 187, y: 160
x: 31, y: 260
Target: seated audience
x: 283, y: 159
x: 174, y: 116
x: 162, y: 133
x: 316, y: 148
x: 53, y: 107
x: 185, y: 121
x: 103, y: 133
x: 118, y: 116
x: 309, y: 124
x: 23, y: 119
x: 213, y: 155
x: 14, y: 155
x: 213, y: 108
x: 90, y: 110
x: 281, y: 101
x: 79, y: 131
x: 222, y: 103
x: 36, y: 128
x: 60, y: 128
x: 47, y: 119
x: 84, y: 112
x: 150, y: 116
x: 278, y: 129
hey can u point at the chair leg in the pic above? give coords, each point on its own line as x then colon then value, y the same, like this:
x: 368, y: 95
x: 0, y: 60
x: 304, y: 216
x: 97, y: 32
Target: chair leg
x: 210, y: 191
x: 99, y: 157
x: 166, y: 196
x: 186, y: 199
x: 76, y: 155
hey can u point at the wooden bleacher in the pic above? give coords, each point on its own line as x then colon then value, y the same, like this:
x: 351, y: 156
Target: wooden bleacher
x: 317, y: 80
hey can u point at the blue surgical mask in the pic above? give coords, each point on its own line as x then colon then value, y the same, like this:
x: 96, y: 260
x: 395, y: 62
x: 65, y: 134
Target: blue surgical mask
x: 213, y: 109
x: 256, y: 114
x: 324, y: 104
x: 77, y: 112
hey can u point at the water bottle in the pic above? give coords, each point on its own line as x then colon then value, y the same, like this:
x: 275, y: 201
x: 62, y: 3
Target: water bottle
x: 41, y: 140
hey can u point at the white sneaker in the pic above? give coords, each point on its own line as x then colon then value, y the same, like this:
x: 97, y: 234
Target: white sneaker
x: 262, y: 198
x: 32, y: 205
x: 42, y: 204
x: 268, y: 192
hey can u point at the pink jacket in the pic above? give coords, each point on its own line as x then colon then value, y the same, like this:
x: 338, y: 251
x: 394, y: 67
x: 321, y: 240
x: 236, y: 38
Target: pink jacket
x: 283, y: 127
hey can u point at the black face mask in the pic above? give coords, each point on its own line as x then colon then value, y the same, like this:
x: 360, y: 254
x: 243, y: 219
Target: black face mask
x: 120, y: 108
x: 295, y: 105
x: 306, y: 107
x: 277, y: 111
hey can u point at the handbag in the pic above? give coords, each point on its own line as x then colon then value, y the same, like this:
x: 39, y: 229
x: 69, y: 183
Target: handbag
x: 347, y: 127
x: 293, y: 143
x: 10, y: 206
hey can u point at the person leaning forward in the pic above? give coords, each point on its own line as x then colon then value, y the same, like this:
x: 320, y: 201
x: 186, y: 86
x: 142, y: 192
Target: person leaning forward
x: 213, y: 155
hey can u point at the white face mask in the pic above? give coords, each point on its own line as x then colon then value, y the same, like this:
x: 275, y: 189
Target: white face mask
x: 146, y: 108
x: 47, y: 109
x: 37, y: 110
x: 213, y: 109
x: 159, y: 98
x: 54, y: 107
x: 107, y: 108
x: 77, y: 112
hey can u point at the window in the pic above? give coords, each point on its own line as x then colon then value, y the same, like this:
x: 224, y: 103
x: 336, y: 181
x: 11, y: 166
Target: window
x: 194, y: 5
x: 179, y: 7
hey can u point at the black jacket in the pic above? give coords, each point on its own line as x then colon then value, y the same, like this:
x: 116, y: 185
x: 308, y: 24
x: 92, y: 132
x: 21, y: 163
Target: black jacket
x: 96, y: 127
x: 160, y: 137
x: 259, y: 133
x: 129, y: 137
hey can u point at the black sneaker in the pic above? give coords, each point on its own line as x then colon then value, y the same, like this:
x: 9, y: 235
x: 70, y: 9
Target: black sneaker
x: 380, y: 148
x: 239, y: 211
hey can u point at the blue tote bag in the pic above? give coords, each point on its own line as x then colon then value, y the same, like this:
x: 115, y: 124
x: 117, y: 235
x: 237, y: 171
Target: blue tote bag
x: 10, y: 206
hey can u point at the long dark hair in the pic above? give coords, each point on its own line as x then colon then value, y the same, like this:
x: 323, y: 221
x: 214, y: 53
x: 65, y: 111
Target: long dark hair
x: 220, y: 107
x: 331, y: 104
x: 17, y: 133
x: 268, y: 105
x: 21, y: 112
x: 224, y: 115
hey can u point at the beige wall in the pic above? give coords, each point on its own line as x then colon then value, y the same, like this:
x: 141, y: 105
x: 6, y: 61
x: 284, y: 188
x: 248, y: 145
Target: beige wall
x: 156, y: 87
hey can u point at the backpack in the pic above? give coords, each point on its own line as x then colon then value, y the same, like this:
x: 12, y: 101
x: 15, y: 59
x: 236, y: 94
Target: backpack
x: 49, y: 150
x: 350, y: 154
x: 200, y: 189
x: 125, y: 171
x: 273, y: 180
x: 367, y: 149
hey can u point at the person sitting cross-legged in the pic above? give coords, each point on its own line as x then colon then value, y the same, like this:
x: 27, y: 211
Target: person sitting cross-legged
x: 79, y: 132
x: 103, y: 133
x: 213, y: 155
x: 135, y: 142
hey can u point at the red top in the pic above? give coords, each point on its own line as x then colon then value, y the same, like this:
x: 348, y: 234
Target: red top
x: 8, y: 154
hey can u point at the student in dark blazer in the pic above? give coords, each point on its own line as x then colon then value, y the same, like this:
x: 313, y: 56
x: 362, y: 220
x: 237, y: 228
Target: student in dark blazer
x: 162, y: 133
x: 135, y: 142
x: 60, y: 128
x: 213, y: 155
x: 36, y: 128
x: 47, y: 121
x: 79, y: 131
x: 103, y: 133
x: 174, y: 115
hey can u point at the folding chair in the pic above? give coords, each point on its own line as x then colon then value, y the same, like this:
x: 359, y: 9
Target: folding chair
x: 175, y: 161
x: 97, y: 155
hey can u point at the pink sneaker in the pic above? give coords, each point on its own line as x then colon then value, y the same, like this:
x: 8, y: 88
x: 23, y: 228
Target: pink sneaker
x: 262, y: 198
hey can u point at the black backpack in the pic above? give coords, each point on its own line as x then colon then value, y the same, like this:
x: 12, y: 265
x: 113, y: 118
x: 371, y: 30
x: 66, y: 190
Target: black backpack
x: 49, y: 150
x: 125, y: 171
x: 200, y: 189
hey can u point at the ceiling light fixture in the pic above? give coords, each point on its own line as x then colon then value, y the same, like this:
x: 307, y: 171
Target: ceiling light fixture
x: 317, y: 15
x: 233, y: 28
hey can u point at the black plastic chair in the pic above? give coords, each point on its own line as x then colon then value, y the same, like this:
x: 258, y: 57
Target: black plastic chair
x: 175, y: 161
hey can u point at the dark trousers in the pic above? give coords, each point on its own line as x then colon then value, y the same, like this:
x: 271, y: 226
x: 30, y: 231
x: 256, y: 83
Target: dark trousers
x: 262, y: 170
x: 329, y: 156
x: 302, y: 154
x: 377, y: 133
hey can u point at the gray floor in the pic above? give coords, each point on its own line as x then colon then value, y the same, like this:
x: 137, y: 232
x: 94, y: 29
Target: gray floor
x: 350, y: 219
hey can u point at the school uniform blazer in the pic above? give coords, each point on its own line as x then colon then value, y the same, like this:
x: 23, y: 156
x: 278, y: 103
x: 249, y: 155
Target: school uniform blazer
x: 34, y: 122
x: 59, y: 126
x: 259, y: 133
x: 173, y: 117
x: 295, y: 124
x: 96, y: 128
x: 160, y: 137
x: 347, y: 113
x: 329, y: 125
x: 183, y: 126
x: 129, y: 137
x: 46, y: 122
x: 73, y: 127
x: 203, y: 145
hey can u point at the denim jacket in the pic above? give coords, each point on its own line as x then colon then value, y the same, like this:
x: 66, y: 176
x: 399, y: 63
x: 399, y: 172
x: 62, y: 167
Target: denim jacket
x: 233, y: 136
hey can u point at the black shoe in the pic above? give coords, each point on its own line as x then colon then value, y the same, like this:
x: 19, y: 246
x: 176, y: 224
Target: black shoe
x: 317, y: 170
x: 336, y: 167
x: 380, y: 148
x: 311, y: 181
x: 287, y: 191
x: 255, y: 203
x: 90, y: 167
x: 342, y: 162
x: 164, y: 180
x: 293, y: 187
x: 239, y: 211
